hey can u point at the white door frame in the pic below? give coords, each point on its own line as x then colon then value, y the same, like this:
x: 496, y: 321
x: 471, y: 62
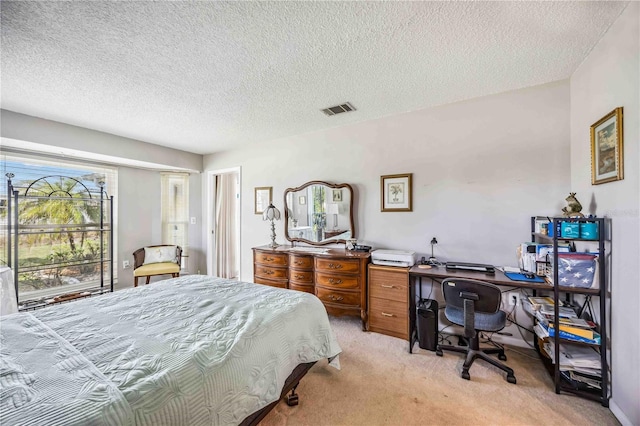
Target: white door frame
x: 210, y: 215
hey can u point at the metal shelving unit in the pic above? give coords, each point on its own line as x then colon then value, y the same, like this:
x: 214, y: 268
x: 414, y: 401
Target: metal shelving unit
x: 79, y: 200
x: 561, y: 384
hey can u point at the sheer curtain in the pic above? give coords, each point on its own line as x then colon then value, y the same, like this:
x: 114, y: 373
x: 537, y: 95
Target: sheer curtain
x: 226, y: 226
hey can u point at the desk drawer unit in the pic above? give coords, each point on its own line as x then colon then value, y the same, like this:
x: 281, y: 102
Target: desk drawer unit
x: 389, y: 300
x: 271, y: 268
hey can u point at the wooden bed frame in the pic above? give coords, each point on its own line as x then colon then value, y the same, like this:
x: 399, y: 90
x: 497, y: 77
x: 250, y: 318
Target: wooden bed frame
x: 289, y: 385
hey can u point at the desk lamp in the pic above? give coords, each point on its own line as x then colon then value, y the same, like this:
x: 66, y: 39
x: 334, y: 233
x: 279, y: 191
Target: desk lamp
x: 272, y: 213
x: 432, y: 259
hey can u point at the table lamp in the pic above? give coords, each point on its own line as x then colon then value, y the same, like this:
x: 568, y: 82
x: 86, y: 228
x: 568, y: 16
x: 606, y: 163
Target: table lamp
x: 272, y: 213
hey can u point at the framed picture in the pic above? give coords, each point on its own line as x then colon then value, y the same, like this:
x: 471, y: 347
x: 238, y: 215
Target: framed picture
x: 263, y: 198
x: 302, y: 200
x: 337, y: 195
x: 607, y: 157
x: 395, y: 193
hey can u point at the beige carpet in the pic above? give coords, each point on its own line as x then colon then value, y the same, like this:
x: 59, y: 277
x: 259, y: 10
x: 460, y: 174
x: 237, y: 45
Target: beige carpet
x: 380, y: 383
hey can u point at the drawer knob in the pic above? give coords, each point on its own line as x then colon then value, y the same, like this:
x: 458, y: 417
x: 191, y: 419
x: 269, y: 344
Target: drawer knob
x: 336, y: 298
x: 269, y: 259
x: 298, y: 277
x: 384, y: 314
x: 268, y: 271
x: 387, y: 286
x: 332, y: 281
x: 335, y: 265
x: 297, y: 262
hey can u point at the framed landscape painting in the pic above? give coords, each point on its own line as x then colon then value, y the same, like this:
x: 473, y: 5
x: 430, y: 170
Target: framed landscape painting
x: 607, y: 157
x: 395, y: 193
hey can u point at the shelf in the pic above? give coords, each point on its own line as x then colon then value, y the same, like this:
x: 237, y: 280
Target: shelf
x: 562, y: 383
x: 32, y: 268
x: 550, y: 239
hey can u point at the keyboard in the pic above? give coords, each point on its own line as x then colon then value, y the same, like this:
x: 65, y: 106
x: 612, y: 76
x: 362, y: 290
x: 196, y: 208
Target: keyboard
x: 477, y: 267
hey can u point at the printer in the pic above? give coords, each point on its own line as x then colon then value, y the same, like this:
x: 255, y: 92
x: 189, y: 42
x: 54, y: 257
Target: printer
x: 393, y: 257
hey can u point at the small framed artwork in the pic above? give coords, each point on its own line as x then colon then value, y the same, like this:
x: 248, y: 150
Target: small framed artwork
x: 263, y: 198
x: 302, y: 200
x: 395, y: 193
x: 337, y: 195
x: 607, y: 156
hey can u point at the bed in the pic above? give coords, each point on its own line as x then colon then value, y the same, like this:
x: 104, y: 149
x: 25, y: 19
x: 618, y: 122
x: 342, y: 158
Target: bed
x: 184, y: 351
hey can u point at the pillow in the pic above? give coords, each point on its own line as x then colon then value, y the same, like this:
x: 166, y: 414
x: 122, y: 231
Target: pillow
x: 160, y: 254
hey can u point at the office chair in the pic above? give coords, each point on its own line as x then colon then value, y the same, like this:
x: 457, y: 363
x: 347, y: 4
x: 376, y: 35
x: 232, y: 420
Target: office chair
x: 475, y: 305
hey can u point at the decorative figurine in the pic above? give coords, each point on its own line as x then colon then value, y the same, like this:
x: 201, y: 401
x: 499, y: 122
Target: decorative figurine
x: 573, y: 206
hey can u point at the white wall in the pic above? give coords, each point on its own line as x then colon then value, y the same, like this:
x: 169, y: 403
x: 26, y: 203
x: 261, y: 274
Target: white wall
x: 139, y: 221
x: 480, y: 169
x: 607, y: 79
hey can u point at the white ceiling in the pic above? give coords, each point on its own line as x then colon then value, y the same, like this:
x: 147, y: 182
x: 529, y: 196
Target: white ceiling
x: 208, y: 76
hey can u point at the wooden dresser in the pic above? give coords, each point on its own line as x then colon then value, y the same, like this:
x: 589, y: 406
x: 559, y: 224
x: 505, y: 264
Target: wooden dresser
x: 389, y: 300
x: 338, y: 277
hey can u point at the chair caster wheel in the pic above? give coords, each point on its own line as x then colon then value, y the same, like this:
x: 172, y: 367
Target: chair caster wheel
x: 465, y: 375
x: 292, y: 400
x: 502, y: 357
x: 511, y: 379
x: 438, y: 352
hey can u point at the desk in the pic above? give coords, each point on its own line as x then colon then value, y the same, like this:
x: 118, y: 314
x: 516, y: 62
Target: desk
x: 438, y: 273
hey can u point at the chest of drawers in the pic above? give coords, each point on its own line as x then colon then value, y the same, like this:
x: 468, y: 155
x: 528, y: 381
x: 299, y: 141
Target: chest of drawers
x: 301, y: 273
x: 271, y: 268
x: 341, y: 285
x: 389, y: 300
x: 337, y: 277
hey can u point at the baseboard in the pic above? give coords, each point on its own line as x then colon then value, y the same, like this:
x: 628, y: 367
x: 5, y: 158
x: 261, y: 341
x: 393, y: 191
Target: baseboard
x: 622, y: 418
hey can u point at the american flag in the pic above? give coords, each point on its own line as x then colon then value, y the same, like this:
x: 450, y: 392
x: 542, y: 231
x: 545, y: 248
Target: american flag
x: 576, y: 269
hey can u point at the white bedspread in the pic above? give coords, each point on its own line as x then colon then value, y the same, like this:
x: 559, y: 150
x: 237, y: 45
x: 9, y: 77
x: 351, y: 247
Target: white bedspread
x: 186, y: 351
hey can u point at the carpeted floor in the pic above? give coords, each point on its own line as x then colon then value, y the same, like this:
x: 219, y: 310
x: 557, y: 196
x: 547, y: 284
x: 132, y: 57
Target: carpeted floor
x: 380, y: 383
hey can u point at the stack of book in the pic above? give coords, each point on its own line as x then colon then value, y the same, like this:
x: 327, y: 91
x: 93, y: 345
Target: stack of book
x: 579, y: 365
x: 571, y: 327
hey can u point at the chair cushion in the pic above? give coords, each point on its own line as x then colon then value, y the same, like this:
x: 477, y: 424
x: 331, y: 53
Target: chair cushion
x: 484, y: 322
x: 156, y: 269
x: 159, y: 254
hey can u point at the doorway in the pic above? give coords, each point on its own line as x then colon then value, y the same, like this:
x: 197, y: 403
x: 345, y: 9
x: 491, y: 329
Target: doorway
x: 223, y: 223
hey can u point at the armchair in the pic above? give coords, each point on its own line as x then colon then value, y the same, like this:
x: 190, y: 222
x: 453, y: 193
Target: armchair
x: 475, y: 305
x: 156, y: 260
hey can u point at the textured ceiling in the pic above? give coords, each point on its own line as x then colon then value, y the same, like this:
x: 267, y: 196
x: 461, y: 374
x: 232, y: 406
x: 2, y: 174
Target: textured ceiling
x: 207, y: 76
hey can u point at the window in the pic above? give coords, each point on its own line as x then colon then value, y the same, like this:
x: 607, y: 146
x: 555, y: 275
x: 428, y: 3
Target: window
x: 59, y: 235
x: 175, y: 211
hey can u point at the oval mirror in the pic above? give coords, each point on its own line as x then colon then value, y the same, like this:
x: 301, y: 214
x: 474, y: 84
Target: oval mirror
x: 319, y: 213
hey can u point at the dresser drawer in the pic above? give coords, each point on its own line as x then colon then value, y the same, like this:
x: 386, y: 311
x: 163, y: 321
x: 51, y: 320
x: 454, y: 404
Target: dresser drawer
x: 339, y: 297
x: 270, y: 273
x: 389, y: 315
x: 272, y: 283
x: 337, y: 281
x: 300, y: 262
x: 274, y: 259
x: 340, y: 265
x: 305, y: 288
x: 302, y: 277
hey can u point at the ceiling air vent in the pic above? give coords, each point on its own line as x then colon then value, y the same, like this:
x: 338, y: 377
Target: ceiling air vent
x: 338, y: 109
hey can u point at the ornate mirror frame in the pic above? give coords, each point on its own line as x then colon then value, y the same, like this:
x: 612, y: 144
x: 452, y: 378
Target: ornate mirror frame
x: 336, y: 197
